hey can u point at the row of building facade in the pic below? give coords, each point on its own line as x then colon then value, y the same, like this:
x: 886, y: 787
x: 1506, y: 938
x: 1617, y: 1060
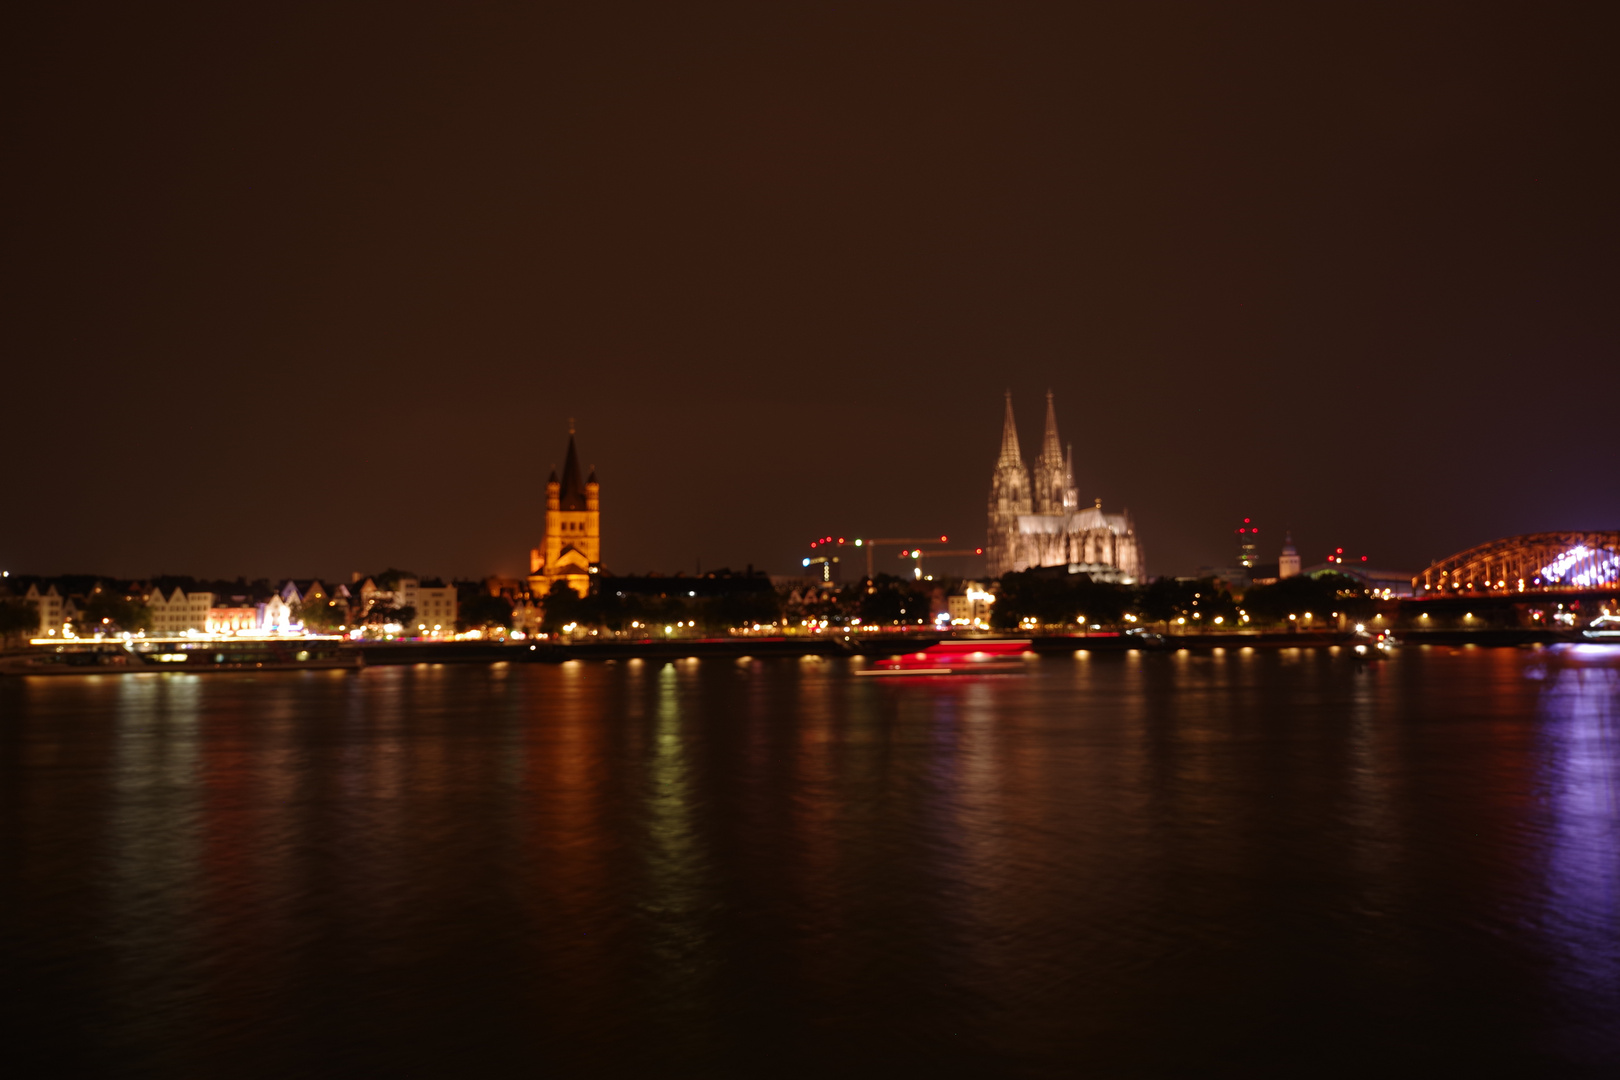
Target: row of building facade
x: 431, y: 607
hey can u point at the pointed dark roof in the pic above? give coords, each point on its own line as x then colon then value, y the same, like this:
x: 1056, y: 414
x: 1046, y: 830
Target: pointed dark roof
x: 572, y: 496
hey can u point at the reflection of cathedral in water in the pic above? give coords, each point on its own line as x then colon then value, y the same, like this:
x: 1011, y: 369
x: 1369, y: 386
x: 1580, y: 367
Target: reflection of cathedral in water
x: 1043, y: 524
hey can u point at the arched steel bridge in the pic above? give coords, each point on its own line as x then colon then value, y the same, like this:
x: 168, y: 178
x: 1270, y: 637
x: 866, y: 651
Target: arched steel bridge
x: 1534, y: 562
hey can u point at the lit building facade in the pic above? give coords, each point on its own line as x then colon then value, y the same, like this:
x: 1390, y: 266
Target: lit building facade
x: 571, y: 549
x: 1288, y: 561
x: 275, y: 615
x: 1036, y: 518
x: 970, y: 607
x: 435, y: 604
x: 233, y: 619
x: 51, y: 608
x: 179, y: 613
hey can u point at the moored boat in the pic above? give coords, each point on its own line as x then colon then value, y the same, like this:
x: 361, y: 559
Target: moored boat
x: 114, y: 656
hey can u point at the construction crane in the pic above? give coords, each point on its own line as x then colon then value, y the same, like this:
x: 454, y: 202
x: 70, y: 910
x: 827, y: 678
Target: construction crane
x: 884, y: 541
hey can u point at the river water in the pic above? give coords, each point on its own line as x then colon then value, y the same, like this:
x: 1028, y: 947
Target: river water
x: 1239, y: 863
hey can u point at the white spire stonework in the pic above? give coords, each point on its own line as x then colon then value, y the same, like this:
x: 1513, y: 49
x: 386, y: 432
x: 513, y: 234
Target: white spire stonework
x: 1049, y: 478
x: 1009, y: 496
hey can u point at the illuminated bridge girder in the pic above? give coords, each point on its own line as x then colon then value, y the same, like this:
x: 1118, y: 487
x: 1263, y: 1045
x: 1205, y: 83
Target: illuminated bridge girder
x: 1520, y: 563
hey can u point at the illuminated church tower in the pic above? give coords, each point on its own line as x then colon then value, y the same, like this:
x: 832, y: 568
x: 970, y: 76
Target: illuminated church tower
x: 1009, y: 497
x: 572, y: 548
x: 1052, y: 472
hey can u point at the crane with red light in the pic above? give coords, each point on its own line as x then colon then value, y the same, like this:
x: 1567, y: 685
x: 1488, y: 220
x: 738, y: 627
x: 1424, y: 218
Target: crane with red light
x: 887, y: 541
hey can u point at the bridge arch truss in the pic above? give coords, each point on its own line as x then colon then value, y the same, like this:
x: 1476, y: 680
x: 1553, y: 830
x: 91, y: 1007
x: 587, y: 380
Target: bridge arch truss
x: 1532, y: 562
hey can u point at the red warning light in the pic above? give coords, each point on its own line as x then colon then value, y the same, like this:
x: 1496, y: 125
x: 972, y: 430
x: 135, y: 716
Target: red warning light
x: 943, y: 539
x: 1245, y: 521
x: 978, y: 551
x: 1364, y: 558
x: 840, y: 539
x: 1338, y: 551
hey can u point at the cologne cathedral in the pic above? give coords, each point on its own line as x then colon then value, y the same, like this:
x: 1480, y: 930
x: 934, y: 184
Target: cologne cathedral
x: 1043, y: 524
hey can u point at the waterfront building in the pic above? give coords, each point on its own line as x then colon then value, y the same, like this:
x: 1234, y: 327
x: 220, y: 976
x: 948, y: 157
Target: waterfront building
x: 234, y: 618
x: 970, y: 607
x: 571, y: 549
x: 180, y: 612
x: 297, y: 592
x: 51, y: 608
x: 432, y: 602
x: 1036, y: 518
x: 275, y: 615
x: 371, y: 594
x: 435, y: 604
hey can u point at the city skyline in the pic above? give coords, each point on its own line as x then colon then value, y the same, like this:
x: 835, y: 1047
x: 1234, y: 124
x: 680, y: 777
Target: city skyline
x: 1216, y: 546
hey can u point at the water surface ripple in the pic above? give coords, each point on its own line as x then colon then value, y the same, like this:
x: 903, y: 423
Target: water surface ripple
x: 1276, y: 863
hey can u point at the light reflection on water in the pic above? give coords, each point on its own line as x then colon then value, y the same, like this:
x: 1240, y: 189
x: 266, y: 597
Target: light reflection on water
x: 723, y: 866
x: 1580, y: 737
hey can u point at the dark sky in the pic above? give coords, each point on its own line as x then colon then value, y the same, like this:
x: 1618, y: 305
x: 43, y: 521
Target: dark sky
x: 304, y: 292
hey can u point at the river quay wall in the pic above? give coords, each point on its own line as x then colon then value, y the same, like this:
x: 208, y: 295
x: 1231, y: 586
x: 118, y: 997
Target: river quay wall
x: 411, y: 652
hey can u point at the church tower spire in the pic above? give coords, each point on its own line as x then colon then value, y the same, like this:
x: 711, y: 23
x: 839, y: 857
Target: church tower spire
x: 1051, y: 447
x: 571, y: 549
x: 1009, y: 497
x: 1050, y: 482
x: 1009, y: 440
x: 1071, y: 493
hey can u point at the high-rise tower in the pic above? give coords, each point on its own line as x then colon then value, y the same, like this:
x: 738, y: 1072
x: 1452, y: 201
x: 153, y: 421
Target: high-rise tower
x: 1246, y: 534
x: 572, y: 548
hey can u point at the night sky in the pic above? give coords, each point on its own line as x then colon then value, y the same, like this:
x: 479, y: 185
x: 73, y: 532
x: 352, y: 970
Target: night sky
x: 299, y: 292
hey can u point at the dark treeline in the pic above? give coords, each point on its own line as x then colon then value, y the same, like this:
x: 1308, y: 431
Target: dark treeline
x: 715, y: 602
x: 1053, y: 600
x: 722, y: 601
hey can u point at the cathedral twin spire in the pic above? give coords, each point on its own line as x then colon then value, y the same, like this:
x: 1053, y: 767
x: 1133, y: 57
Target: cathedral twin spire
x: 1051, y: 449
x: 1009, y: 440
x: 1035, y: 513
x: 1054, y: 490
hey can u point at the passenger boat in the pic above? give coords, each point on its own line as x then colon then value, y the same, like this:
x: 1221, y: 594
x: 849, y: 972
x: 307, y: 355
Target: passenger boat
x: 957, y: 657
x: 1373, y: 644
x: 86, y: 656
x: 1604, y: 628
